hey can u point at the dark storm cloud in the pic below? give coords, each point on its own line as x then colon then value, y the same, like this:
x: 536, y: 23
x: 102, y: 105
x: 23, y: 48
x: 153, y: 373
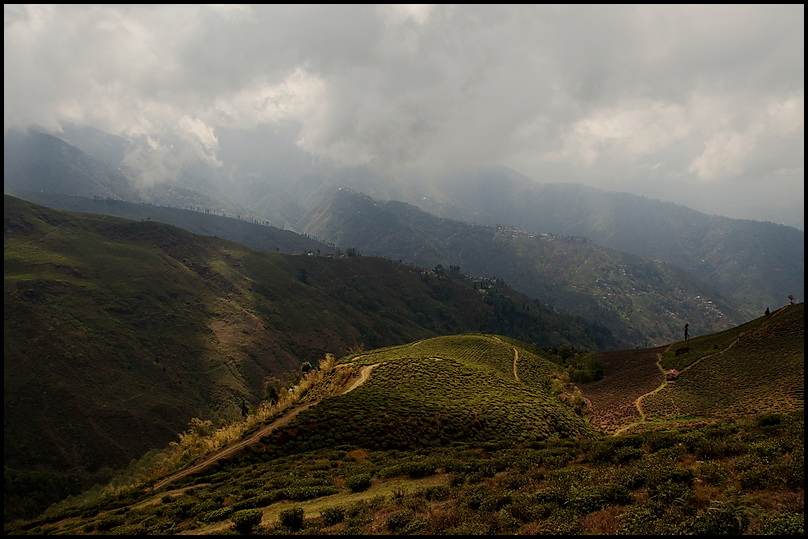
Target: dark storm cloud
x: 665, y: 101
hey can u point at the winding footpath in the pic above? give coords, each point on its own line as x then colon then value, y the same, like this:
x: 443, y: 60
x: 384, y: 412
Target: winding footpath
x: 638, y: 401
x: 254, y: 438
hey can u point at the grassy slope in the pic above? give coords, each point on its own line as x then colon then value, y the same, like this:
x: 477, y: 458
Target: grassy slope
x: 756, y: 367
x: 117, y: 333
x: 499, y: 456
x: 753, y: 368
x: 439, y: 391
x: 243, y: 231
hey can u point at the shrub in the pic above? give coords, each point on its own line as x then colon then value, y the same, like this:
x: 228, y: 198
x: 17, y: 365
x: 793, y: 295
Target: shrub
x: 358, y: 483
x: 204, y: 506
x: 514, y: 481
x: 631, y: 476
x: 659, y: 475
x: 333, y: 515
x: 416, y: 470
x: 215, y: 515
x: 768, y: 419
x: 662, y: 439
x: 416, y: 526
x: 783, y: 524
x: 135, y: 529
x: 398, y: 521
x: 627, y: 454
x: 523, y: 507
x: 719, y: 519
x: 552, y: 494
x: 639, y: 520
x: 109, y: 522
x: 712, y: 473
x: 672, y: 494
x: 495, y: 501
x: 598, y: 497
x: 560, y: 522
x: 756, y: 472
x: 292, y: 518
x: 437, y: 492
x: 300, y: 494
x: 246, y: 520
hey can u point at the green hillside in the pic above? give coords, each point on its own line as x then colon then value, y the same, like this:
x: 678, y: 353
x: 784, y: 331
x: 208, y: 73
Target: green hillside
x: 469, y: 434
x: 750, y: 369
x: 754, y: 368
x: 238, y: 228
x: 118, y: 332
x: 439, y: 391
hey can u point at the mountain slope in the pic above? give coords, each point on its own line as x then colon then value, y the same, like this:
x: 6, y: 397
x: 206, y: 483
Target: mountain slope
x: 755, y: 263
x: 757, y: 367
x: 438, y: 391
x: 38, y: 162
x: 255, y: 235
x: 466, y: 434
x: 117, y: 332
x: 641, y: 301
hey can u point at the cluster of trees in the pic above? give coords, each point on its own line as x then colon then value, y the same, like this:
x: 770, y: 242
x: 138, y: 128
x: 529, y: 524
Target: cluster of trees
x: 582, y: 365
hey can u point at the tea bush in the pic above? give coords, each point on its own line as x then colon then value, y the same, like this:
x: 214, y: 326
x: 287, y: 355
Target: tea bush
x: 783, y: 524
x: 597, y: 497
x: 398, y: 521
x: 292, y: 518
x: 333, y: 515
x: 358, y: 483
x: 216, y: 515
x: 246, y: 520
x: 718, y: 519
x: 299, y: 494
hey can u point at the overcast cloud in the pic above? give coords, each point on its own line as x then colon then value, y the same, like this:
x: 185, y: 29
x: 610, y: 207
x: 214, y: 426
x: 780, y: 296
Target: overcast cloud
x: 700, y: 105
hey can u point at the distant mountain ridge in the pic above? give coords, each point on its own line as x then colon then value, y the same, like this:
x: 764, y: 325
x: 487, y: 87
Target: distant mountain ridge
x: 756, y: 263
x: 641, y: 301
x: 261, y: 236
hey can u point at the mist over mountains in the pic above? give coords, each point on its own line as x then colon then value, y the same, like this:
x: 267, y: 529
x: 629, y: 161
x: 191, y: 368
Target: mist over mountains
x: 744, y: 266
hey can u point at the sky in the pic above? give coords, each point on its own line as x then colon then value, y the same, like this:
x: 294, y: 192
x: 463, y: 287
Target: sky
x: 702, y: 105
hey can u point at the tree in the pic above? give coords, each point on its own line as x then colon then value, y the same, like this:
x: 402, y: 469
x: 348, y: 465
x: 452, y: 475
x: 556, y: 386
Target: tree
x: 272, y: 389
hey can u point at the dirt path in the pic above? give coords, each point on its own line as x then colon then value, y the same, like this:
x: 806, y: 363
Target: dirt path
x: 515, y: 358
x: 638, y: 401
x: 254, y: 438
